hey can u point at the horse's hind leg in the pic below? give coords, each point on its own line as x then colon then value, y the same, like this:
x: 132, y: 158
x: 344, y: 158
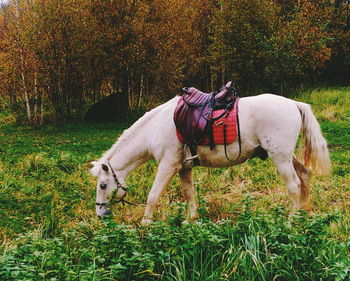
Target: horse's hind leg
x: 189, y: 192
x: 304, y: 175
x: 285, y: 167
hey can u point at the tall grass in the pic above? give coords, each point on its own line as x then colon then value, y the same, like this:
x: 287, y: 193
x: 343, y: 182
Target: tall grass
x: 331, y: 104
x: 258, y: 246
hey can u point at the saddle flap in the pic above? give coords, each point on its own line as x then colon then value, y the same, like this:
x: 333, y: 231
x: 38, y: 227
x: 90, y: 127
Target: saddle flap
x: 190, y: 122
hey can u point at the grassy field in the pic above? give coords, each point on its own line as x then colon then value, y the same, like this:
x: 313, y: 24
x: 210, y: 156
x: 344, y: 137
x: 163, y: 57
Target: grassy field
x: 49, y: 230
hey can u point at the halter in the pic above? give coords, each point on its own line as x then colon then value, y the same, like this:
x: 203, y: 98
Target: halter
x: 119, y: 185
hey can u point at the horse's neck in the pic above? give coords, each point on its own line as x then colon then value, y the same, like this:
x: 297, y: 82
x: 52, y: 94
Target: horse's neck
x: 129, y: 154
x: 131, y: 150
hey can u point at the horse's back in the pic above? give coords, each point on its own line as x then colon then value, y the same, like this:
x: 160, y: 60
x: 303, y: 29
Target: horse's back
x: 272, y: 120
x: 269, y: 108
x: 268, y: 102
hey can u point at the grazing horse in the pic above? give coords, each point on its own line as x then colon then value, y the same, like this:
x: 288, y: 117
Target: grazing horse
x: 268, y: 123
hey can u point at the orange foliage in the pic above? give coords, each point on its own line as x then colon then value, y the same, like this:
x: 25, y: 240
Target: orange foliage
x: 57, y: 56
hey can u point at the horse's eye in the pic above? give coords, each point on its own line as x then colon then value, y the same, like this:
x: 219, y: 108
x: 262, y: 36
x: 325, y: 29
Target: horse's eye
x: 103, y: 186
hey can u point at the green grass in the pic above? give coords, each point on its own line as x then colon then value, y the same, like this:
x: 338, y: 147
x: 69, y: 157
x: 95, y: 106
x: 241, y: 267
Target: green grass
x: 257, y: 246
x: 49, y: 230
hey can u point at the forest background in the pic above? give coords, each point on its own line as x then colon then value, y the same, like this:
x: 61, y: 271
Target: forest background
x: 57, y: 57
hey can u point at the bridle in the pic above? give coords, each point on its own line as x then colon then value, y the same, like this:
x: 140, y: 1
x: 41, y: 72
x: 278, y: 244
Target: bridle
x: 119, y: 186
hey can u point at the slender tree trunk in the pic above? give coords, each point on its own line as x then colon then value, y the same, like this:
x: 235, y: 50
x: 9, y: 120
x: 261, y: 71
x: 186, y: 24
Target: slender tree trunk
x: 348, y: 13
x: 36, y: 100
x: 130, y: 87
x: 207, y: 76
x: 222, y: 60
x: 222, y: 71
x: 141, y: 92
x: 24, y: 84
x: 41, y: 111
x: 125, y: 82
x: 23, y: 77
x: 211, y: 83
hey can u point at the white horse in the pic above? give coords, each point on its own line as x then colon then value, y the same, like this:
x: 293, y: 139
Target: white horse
x: 268, y: 123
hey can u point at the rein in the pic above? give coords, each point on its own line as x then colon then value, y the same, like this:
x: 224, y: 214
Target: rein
x: 119, y: 185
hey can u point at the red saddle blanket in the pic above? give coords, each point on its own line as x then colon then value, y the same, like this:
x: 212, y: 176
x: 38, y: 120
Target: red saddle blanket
x: 229, y: 119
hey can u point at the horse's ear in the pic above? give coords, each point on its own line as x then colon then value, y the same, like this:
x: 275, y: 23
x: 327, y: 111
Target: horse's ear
x: 105, y: 168
x: 90, y: 165
x: 95, y: 168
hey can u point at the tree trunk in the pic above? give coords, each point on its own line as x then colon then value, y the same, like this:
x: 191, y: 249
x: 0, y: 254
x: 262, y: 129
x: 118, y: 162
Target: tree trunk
x: 23, y: 78
x: 141, y: 92
x: 36, y: 101
x: 211, y: 83
x: 25, y: 89
x: 125, y: 82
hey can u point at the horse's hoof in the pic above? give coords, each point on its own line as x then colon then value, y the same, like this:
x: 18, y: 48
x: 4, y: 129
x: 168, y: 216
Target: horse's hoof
x: 146, y: 221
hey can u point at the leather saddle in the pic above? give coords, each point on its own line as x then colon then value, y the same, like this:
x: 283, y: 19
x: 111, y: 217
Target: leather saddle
x: 193, y: 114
x: 195, y: 97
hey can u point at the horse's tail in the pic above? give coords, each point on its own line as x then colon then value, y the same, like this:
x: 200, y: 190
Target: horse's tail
x: 314, y: 152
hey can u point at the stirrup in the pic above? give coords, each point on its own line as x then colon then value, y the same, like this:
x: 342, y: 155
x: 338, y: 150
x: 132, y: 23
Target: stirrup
x: 189, y: 160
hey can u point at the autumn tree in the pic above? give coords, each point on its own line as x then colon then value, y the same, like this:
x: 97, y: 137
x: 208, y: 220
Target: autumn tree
x: 62, y: 40
x: 19, y: 66
x: 338, y: 68
x: 258, y: 45
x: 57, y: 57
x: 300, y: 45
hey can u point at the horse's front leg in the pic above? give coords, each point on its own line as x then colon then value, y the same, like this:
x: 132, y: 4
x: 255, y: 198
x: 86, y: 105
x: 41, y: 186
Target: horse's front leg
x: 164, y: 175
x: 189, y: 192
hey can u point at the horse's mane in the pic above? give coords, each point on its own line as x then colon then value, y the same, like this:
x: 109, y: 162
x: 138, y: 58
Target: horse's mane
x: 122, y: 140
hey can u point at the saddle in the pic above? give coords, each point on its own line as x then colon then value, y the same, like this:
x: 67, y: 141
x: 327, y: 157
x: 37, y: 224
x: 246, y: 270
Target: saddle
x: 195, y: 97
x: 194, y: 116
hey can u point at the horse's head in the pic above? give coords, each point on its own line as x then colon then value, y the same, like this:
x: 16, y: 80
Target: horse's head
x: 107, y: 187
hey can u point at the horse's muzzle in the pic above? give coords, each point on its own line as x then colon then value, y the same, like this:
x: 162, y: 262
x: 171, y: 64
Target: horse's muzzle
x: 102, y: 211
